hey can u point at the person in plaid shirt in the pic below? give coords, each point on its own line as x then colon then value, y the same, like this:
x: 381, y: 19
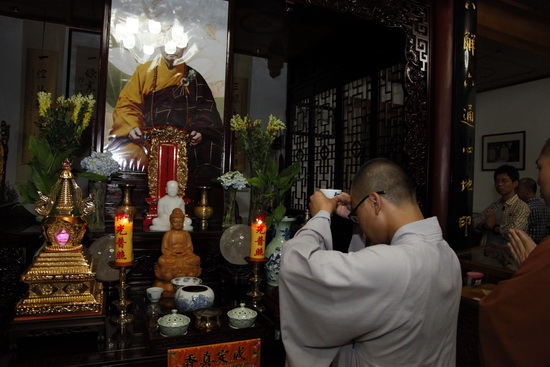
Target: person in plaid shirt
x: 539, y: 219
x: 507, y: 212
x: 514, y: 322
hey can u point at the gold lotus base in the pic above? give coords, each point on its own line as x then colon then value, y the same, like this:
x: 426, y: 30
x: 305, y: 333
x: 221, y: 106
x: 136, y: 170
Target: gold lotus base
x: 61, y: 283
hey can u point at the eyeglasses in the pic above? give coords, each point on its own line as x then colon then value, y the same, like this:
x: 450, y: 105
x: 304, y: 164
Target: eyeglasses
x: 352, y: 216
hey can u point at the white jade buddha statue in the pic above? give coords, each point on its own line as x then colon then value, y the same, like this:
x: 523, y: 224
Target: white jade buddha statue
x: 166, y: 205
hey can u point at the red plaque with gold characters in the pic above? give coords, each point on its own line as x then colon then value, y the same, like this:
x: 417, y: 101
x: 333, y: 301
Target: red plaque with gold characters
x: 239, y: 353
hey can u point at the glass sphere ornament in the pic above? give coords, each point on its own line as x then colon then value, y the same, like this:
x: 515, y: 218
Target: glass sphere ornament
x: 235, y: 244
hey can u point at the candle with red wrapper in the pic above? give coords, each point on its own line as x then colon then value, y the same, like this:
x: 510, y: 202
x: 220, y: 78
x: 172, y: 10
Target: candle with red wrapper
x: 258, y: 230
x: 124, y: 229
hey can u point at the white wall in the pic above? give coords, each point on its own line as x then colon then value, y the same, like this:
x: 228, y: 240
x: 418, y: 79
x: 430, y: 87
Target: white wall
x: 16, y: 36
x: 267, y: 96
x: 524, y: 107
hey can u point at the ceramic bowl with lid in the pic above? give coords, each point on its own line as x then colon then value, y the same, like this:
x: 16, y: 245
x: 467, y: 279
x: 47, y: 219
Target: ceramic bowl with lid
x: 173, y: 324
x: 242, y: 317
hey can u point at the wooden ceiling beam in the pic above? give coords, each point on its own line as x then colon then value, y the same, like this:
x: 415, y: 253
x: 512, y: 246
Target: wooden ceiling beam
x: 499, y: 21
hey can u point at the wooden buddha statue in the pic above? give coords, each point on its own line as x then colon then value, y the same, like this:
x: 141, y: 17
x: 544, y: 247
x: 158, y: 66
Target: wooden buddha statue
x: 177, y: 259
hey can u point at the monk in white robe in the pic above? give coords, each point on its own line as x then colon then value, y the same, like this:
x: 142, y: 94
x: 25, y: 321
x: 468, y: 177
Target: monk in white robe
x: 391, y: 304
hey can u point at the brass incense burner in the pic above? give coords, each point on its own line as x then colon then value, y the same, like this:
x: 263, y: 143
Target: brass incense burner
x: 62, y: 277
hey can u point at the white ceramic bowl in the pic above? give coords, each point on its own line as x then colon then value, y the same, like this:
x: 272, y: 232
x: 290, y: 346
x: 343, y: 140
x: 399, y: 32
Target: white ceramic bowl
x: 242, y: 317
x: 154, y: 294
x: 184, y: 282
x: 173, y: 324
x: 330, y: 193
x: 193, y: 297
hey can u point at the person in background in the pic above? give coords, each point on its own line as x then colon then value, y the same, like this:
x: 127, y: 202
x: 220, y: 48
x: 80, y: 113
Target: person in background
x: 539, y: 217
x: 394, y: 303
x: 505, y: 213
x: 514, y: 322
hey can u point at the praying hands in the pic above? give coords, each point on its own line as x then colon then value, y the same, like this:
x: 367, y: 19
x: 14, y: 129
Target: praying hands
x: 520, y: 245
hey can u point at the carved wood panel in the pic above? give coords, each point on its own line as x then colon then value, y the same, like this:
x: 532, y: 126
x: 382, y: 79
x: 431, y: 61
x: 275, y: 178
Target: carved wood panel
x: 391, y: 122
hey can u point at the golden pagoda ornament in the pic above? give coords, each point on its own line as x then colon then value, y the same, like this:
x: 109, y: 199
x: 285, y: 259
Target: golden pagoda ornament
x: 62, y: 277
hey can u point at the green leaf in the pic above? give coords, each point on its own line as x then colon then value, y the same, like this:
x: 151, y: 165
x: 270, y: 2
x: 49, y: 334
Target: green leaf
x: 41, y: 181
x: 255, y: 181
x: 279, y: 213
x: 292, y: 170
x: 93, y: 176
x: 41, y: 151
x: 28, y: 195
x: 271, y: 171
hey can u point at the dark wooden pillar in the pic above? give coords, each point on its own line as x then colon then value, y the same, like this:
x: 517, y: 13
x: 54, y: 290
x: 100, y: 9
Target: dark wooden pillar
x: 441, y: 107
x: 459, y: 231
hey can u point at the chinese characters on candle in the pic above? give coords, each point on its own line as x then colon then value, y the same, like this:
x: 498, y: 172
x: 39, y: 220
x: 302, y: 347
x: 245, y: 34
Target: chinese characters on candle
x: 258, y: 230
x: 124, y: 228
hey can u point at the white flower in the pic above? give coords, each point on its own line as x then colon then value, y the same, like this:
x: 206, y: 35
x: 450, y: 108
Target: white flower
x: 233, y: 179
x: 101, y: 164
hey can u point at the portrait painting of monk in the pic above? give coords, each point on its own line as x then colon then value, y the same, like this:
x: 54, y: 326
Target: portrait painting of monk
x: 166, y: 68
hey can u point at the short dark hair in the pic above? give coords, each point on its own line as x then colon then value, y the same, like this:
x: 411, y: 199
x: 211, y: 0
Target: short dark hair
x: 529, y: 184
x: 508, y: 170
x: 382, y: 174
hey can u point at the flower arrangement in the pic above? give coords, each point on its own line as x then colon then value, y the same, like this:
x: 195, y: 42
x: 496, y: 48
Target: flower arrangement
x: 231, y: 181
x: 62, y: 122
x: 275, y: 184
x: 269, y: 186
x: 60, y: 126
x: 255, y: 140
x: 99, y: 166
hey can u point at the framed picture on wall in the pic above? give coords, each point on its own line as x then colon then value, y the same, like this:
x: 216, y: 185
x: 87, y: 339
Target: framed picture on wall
x: 167, y: 67
x: 505, y: 148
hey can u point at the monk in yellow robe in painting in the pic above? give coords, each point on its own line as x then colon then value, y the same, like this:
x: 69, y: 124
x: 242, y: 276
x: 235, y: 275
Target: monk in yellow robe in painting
x: 167, y: 92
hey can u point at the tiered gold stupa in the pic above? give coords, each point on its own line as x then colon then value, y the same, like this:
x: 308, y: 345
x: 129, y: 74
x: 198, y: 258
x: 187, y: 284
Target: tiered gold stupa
x: 62, y: 277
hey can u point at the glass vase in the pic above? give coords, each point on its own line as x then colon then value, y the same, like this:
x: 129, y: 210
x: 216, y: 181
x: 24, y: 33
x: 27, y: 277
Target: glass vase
x: 273, y: 250
x: 96, y: 220
x: 257, y: 193
x: 257, y: 202
x: 229, y: 196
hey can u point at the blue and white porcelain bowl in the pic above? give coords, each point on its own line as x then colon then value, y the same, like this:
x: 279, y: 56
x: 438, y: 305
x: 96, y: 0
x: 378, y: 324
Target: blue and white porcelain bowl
x: 193, y: 297
x: 185, y: 281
